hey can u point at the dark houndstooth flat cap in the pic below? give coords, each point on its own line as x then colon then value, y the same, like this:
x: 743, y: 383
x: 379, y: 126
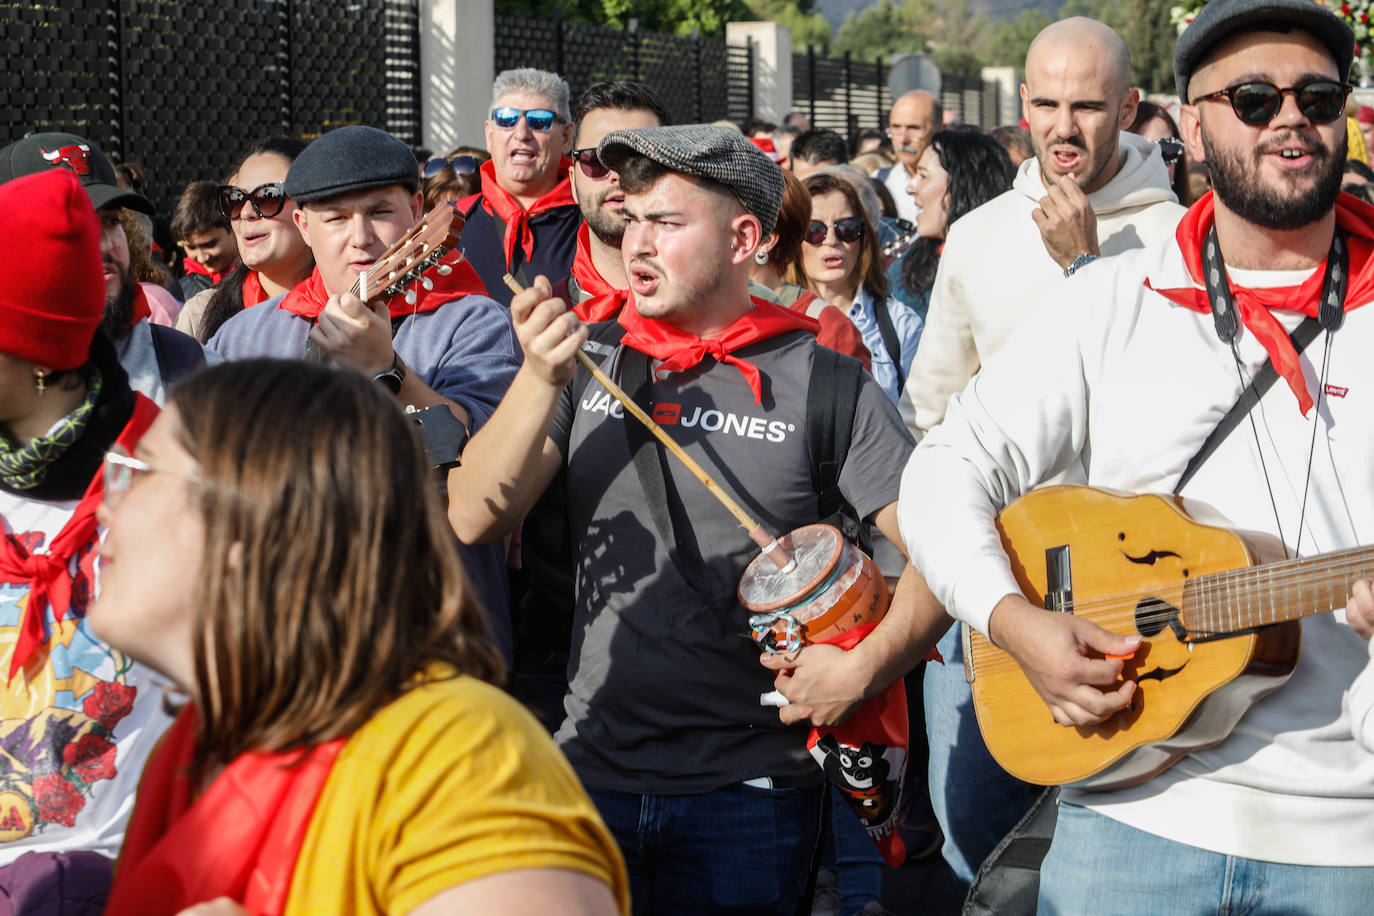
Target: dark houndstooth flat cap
x: 705, y: 151
x: 1221, y: 18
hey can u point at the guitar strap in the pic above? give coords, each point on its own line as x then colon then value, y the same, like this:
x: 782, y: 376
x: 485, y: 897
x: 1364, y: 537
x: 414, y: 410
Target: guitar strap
x: 1330, y: 316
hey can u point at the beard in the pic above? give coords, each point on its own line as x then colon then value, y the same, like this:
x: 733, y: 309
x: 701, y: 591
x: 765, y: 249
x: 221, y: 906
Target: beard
x: 607, y: 226
x: 1300, y: 199
x: 119, y: 307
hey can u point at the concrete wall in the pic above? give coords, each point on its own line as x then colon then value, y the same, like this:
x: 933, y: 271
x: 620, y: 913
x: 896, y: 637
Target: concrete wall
x: 457, y: 65
x: 772, y: 66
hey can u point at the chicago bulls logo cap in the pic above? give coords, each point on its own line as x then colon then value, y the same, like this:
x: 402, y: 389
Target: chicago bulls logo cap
x: 41, y: 152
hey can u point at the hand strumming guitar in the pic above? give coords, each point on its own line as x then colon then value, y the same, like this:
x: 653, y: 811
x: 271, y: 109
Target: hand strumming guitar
x: 1063, y: 657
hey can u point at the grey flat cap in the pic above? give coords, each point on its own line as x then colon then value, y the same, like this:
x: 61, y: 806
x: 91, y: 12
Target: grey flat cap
x: 349, y: 159
x: 1221, y: 18
x: 705, y: 151
x: 40, y: 152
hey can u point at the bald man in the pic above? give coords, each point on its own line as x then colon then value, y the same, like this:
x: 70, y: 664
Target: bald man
x: 1089, y: 191
x: 915, y: 117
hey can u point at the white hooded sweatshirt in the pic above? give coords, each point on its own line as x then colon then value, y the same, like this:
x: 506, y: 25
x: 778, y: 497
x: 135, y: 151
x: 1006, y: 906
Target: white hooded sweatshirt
x: 995, y: 263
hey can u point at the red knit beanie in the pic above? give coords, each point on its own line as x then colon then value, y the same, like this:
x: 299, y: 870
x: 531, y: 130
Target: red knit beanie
x: 54, y: 289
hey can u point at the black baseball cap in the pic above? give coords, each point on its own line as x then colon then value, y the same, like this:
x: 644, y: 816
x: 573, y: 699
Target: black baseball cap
x: 40, y: 152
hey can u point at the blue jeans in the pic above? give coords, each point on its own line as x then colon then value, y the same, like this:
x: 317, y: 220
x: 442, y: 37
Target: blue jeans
x: 735, y: 850
x: 1098, y: 865
x: 976, y: 801
x: 848, y: 848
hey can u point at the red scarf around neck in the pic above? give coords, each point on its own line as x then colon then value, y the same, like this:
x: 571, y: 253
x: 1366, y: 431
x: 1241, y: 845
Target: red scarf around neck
x: 192, y: 266
x: 308, y: 297
x: 48, y: 575
x: 678, y: 349
x: 141, y: 308
x: 1255, y: 305
x: 240, y: 839
x: 253, y: 293
x: 606, y: 301
x: 499, y: 202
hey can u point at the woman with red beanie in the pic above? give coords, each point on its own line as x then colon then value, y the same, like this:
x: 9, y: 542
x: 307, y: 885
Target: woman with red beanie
x: 77, y: 718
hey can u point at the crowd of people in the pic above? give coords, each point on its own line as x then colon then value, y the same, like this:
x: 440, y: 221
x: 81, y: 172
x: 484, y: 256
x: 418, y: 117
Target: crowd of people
x: 333, y: 585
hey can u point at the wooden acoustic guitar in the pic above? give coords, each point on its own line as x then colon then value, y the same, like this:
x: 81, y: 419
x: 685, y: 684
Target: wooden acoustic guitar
x: 1219, y: 628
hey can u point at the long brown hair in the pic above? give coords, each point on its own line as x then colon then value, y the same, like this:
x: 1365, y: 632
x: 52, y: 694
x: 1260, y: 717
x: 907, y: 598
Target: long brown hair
x: 872, y: 277
x: 331, y: 583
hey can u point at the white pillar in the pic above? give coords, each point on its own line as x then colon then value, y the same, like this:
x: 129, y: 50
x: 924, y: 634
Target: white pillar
x: 772, y: 66
x: 457, y: 66
x: 1010, y: 95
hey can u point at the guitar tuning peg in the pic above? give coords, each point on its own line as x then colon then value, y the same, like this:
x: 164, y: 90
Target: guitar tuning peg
x: 443, y: 270
x: 427, y: 283
x: 410, y: 297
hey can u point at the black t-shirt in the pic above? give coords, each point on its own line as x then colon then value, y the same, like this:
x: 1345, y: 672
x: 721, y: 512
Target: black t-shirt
x: 664, y: 683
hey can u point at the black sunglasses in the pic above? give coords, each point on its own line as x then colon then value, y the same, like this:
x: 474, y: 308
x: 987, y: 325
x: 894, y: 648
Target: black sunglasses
x: 849, y: 229
x: 267, y: 200
x: 1171, y: 148
x: 461, y: 165
x: 1320, y: 101
x: 590, y: 164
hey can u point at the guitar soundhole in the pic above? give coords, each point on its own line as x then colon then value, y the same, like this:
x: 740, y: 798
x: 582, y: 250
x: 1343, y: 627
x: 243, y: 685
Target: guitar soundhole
x: 1152, y: 615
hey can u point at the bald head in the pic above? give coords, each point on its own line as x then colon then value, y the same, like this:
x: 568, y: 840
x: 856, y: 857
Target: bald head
x: 916, y: 115
x: 1082, y: 39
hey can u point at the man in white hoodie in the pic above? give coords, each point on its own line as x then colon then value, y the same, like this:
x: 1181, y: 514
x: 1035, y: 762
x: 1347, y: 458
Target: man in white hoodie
x: 1128, y: 370
x: 1089, y: 190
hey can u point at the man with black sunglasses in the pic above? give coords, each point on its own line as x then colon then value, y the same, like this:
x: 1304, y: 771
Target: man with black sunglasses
x: 1139, y: 370
x: 524, y: 220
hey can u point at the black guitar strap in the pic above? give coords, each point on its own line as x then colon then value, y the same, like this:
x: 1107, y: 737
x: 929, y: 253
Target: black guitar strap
x: 1330, y: 316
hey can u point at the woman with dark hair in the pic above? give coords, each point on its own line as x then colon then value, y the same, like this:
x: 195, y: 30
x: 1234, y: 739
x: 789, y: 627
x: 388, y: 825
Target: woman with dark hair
x: 777, y: 269
x: 1153, y: 122
x: 277, y: 551
x: 273, y: 255
x: 959, y: 171
x: 841, y: 262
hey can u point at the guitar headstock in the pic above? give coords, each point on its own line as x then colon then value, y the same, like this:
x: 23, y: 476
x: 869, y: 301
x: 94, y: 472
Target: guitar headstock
x: 436, y: 234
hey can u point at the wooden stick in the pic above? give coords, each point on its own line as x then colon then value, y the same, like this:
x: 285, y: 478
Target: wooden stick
x: 757, y: 533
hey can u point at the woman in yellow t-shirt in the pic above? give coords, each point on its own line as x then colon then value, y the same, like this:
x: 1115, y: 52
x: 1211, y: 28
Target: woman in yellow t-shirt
x: 278, y: 551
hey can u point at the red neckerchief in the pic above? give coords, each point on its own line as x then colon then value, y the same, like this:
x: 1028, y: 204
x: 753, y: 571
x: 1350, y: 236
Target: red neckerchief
x: 240, y: 839
x: 141, y: 308
x: 48, y: 575
x: 498, y: 201
x: 253, y: 293
x: 307, y: 298
x: 680, y: 350
x: 192, y: 266
x: 1255, y: 305
x: 605, y: 300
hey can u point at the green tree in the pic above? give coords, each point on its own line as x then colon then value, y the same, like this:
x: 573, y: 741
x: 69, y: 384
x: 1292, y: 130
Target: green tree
x: 1009, y: 40
x: 1146, y: 28
x: 680, y: 16
x: 807, y: 26
x: 879, y: 30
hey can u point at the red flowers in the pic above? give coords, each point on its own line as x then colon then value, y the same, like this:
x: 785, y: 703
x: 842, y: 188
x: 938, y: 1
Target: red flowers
x: 109, y: 702
x: 91, y: 758
x: 57, y: 799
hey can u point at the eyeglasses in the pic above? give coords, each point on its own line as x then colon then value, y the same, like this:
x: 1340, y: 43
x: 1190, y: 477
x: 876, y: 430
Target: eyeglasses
x: 590, y: 164
x: 461, y: 165
x: 121, y: 468
x: 1320, y: 101
x: 849, y: 229
x: 537, y: 118
x: 267, y: 200
x: 1171, y: 148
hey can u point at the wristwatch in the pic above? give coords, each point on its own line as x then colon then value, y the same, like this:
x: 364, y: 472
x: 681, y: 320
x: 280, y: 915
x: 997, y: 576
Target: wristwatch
x: 1078, y: 262
x: 391, y: 379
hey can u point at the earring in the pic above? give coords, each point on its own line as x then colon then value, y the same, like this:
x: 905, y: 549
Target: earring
x: 761, y: 257
x: 39, y: 377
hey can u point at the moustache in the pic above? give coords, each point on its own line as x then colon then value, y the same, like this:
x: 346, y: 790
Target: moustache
x: 908, y: 148
x: 1312, y: 145
x: 1069, y: 141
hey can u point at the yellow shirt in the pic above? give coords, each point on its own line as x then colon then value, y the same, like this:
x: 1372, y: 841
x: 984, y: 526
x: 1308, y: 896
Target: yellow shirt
x: 451, y: 782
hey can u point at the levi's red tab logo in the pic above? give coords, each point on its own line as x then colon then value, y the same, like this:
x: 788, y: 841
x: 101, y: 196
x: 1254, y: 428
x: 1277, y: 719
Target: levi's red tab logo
x: 1335, y: 391
x: 667, y: 414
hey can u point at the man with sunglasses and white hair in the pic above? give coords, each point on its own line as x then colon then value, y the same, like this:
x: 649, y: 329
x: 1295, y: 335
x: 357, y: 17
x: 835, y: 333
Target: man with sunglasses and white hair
x: 524, y: 220
x: 1138, y: 370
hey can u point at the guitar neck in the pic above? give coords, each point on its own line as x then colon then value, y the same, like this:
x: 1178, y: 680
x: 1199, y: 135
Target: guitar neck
x: 1257, y: 596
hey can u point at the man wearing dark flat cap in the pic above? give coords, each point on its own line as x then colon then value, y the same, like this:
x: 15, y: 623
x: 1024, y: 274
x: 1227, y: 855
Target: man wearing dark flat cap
x: 357, y: 193
x: 715, y: 802
x: 1229, y: 366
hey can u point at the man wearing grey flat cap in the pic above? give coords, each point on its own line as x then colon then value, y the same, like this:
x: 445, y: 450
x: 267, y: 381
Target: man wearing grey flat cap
x: 1228, y: 366
x: 715, y: 801
x: 357, y: 193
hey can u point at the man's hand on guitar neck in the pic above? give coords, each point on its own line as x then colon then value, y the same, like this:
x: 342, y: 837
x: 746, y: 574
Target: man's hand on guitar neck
x: 1063, y: 657
x: 1359, y: 613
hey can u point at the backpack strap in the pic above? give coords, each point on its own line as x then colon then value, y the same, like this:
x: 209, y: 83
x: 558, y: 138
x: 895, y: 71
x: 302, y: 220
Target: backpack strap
x: 602, y: 339
x: 891, y: 343
x: 832, y: 399
x: 178, y: 355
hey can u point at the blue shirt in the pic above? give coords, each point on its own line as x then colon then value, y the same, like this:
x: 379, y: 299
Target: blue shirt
x: 908, y: 326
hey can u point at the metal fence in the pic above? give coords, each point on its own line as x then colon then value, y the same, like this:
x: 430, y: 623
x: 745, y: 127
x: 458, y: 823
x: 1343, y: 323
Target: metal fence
x: 181, y: 87
x: 840, y: 93
x: 972, y: 100
x: 694, y: 76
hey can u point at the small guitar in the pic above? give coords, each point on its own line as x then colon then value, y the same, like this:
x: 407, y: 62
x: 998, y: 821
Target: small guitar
x: 901, y: 243
x: 1219, y: 632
